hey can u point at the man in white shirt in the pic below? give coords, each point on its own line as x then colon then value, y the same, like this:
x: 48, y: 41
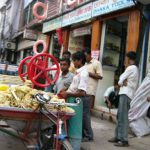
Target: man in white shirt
x: 111, y: 96
x: 78, y: 88
x: 128, y: 83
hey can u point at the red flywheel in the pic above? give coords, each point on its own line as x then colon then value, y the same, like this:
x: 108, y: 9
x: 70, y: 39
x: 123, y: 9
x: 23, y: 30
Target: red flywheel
x: 23, y: 68
x: 39, y: 70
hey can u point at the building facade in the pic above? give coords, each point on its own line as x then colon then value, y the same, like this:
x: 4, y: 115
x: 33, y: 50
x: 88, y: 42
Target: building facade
x: 109, y: 28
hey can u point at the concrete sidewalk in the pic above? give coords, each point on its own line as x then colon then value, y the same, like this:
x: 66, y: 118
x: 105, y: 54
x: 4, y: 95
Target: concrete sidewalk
x: 103, y: 130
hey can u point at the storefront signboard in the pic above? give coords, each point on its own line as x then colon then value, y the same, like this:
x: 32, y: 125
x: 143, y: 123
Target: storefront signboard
x: 52, y: 25
x: 30, y: 34
x: 101, y: 7
x: 95, y: 54
x: 12, y: 68
x: 75, y: 43
x: 82, y: 31
x: 2, y: 66
x: 80, y: 14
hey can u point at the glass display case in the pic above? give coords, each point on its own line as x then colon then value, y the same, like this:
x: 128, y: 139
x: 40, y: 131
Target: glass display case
x: 112, y: 44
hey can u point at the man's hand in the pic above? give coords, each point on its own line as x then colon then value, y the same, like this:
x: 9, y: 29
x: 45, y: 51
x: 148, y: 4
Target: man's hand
x: 63, y: 94
x: 125, y: 82
x: 108, y: 102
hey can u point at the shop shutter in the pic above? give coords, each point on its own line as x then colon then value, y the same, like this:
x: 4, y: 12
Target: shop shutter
x: 54, y: 8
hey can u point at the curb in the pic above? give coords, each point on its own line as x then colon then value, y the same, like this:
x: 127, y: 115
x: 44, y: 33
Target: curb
x: 104, y: 115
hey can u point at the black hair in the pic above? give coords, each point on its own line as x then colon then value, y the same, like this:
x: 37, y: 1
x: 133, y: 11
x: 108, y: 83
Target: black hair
x: 66, y: 60
x: 67, y: 53
x: 87, y: 50
x: 79, y: 56
x: 131, y: 55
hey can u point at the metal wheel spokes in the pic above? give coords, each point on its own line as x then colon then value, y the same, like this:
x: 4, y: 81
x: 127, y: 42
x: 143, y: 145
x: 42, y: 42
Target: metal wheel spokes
x: 23, y: 67
x: 39, y: 70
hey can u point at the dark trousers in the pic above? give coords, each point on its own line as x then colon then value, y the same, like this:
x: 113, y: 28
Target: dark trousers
x: 87, y: 129
x: 121, y: 131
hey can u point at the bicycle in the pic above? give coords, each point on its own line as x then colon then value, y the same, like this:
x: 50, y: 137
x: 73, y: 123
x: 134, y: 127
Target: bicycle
x: 52, y: 137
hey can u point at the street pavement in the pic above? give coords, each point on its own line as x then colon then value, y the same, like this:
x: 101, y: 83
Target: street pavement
x: 103, y: 130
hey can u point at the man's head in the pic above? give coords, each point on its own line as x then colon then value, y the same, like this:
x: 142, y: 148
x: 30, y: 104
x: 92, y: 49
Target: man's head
x: 130, y: 58
x: 67, y: 54
x: 78, y: 59
x: 87, y: 53
x: 64, y: 64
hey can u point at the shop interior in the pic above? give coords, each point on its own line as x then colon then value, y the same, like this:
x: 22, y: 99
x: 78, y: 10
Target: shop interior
x: 112, y: 54
x: 79, y: 39
x: 115, y: 45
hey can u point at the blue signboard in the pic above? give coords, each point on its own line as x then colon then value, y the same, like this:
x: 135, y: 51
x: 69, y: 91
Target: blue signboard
x: 101, y: 7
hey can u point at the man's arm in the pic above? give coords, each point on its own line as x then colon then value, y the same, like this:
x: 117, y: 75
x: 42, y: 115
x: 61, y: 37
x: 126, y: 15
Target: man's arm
x: 98, y: 71
x: 95, y: 76
x: 79, y: 93
x: 123, y: 78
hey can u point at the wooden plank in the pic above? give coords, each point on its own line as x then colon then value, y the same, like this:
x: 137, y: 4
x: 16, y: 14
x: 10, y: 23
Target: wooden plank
x: 133, y: 31
x: 96, y: 32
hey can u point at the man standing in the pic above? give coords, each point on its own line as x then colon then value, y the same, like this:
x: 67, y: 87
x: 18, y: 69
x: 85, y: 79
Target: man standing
x: 65, y: 78
x: 78, y: 88
x: 94, y: 68
x: 128, y: 83
x: 95, y: 73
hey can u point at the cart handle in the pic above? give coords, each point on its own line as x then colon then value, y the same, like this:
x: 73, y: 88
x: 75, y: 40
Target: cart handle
x: 45, y: 98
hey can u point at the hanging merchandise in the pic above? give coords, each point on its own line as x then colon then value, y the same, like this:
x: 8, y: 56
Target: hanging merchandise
x: 59, y: 35
x: 60, y: 40
x: 36, y: 8
x: 37, y: 43
x: 71, y: 3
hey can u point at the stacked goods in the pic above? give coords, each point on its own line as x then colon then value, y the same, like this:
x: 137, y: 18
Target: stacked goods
x: 57, y: 100
x: 8, y: 79
x: 23, y: 97
x: 19, y: 96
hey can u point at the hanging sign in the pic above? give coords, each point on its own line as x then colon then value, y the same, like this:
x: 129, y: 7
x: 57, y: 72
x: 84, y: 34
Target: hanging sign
x: 101, y: 7
x: 30, y: 34
x: 82, y: 31
x: 59, y: 35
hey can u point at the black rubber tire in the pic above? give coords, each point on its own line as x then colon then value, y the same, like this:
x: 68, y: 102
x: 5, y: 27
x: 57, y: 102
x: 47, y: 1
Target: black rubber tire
x: 65, y: 145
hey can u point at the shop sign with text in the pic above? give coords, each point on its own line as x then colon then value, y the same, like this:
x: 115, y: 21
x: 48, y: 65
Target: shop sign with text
x: 80, y: 14
x: 30, y: 34
x: 101, y: 7
x: 52, y: 25
x: 82, y: 31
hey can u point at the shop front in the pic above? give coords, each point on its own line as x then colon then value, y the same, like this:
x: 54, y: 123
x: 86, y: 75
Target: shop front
x: 119, y: 34
x: 79, y: 38
x: 110, y: 29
